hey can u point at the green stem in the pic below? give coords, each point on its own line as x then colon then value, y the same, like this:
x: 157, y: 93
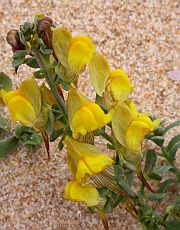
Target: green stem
x: 174, y: 170
x: 46, y: 70
x: 107, y: 137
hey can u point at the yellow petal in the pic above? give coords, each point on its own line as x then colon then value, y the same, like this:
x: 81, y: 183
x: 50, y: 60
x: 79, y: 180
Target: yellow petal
x: 72, y: 163
x: 30, y: 89
x: 20, y: 108
x: 85, y: 159
x: 89, y: 118
x: 135, y: 135
x: 80, y: 53
x: 133, y: 109
x: 98, y: 162
x: 87, y: 194
x: 61, y: 39
x: 146, y: 120
x: 121, y: 118
x: 67, y: 190
x: 82, y: 170
x: 156, y: 124
x: 75, y: 101
x: 83, y: 122
x: 119, y: 85
x: 99, y: 72
x: 48, y: 97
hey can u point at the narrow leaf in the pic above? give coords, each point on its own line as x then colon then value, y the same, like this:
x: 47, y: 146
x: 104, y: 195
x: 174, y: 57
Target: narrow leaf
x: 172, y: 125
x: 155, y: 196
x: 158, y: 140
x: 151, y: 158
x: 154, y: 176
x: 164, y: 185
x: 8, y: 145
x: 5, y: 82
x: 162, y: 169
x: 173, y: 141
x: 56, y: 134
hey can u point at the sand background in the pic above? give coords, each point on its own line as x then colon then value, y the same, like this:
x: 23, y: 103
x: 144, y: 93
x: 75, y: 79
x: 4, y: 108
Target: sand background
x: 139, y: 36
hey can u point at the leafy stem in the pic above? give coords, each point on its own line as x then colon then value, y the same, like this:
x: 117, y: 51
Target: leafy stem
x: 46, y: 70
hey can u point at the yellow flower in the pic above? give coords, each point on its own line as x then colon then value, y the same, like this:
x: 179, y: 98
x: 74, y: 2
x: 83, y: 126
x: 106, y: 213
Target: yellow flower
x: 73, y: 53
x: 85, y: 159
x: 76, y: 192
x: 99, y: 72
x: 84, y: 116
x: 47, y: 95
x: 24, y: 104
x: 130, y: 127
x: 115, y: 82
x: 119, y: 85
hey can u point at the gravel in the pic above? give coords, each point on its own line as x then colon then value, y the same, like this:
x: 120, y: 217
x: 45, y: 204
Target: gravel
x: 139, y: 36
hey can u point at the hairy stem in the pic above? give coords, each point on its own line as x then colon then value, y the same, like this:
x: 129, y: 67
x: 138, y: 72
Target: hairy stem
x: 46, y: 70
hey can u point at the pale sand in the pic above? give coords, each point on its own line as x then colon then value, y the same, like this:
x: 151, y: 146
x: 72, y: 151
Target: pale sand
x: 139, y: 36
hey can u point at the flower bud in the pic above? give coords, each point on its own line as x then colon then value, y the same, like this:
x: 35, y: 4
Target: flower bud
x: 44, y: 31
x: 13, y: 39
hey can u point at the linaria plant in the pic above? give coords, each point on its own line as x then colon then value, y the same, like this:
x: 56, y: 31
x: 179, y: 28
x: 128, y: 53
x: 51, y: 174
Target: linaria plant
x: 41, y: 111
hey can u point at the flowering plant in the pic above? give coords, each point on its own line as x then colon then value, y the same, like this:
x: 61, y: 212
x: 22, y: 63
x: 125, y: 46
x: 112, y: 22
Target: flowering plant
x: 44, y: 112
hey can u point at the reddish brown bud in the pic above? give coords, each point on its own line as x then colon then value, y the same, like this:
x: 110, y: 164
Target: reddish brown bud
x: 44, y: 31
x: 13, y: 39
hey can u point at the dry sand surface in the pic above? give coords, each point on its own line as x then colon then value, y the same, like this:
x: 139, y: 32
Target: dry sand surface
x: 139, y: 36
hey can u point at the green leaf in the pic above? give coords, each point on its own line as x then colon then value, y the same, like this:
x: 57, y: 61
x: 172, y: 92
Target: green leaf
x: 108, y: 206
x: 129, y: 178
x: 173, y: 142
x: 172, y: 125
x: 149, y: 136
x: 20, y: 54
x: 151, y: 158
x: 19, y: 58
x: 50, y: 123
x: 61, y: 145
x: 46, y: 51
x: 56, y: 134
x: 158, y: 140
x: 103, y: 192
x: 119, y: 177
x: 155, y: 196
x: 162, y: 169
x: 65, y: 85
x: 27, y: 135
x: 8, y: 145
x: 118, y: 172
x: 4, y: 124
x: 165, y: 184
x: 5, y: 82
x: 31, y: 139
x: 126, y: 187
x: 173, y: 151
x: 172, y: 225
x: 31, y: 62
x: 17, y: 62
x: 154, y: 176
x: 39, y: 74
x: 21, y: 37
x: 19, y: 129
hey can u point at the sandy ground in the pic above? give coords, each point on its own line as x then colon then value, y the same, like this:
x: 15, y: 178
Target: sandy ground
x: 139, y: 36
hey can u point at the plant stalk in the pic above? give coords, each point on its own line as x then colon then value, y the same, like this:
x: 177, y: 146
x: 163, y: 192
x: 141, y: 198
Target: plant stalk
x: 49, y: 81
